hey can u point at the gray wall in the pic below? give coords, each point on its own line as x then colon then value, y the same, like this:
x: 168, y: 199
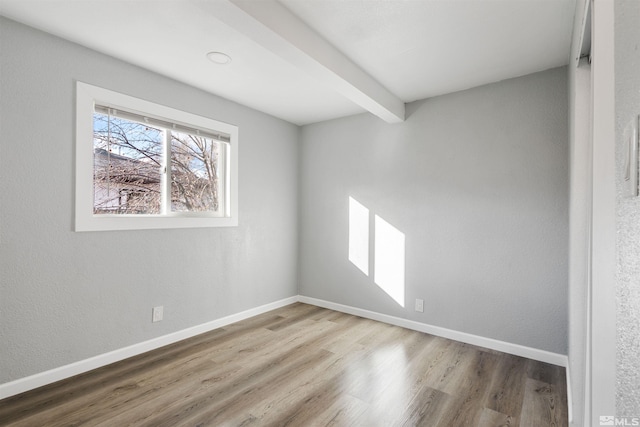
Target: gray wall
x: 478, y: 183
x: 627, y: 81
x: 67, y: 296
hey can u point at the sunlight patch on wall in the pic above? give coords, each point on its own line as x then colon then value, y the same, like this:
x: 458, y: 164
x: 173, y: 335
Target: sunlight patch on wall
x: 359, y: 235
x: 388, y: 250
x: 389, y: 259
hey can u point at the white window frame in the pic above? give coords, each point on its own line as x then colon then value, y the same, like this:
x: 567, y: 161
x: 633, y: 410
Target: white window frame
x: 87, y: 96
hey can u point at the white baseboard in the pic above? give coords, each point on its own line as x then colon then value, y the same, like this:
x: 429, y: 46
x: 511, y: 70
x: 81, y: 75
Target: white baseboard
x: 505, y: 347
x: 38, y: 380
x: 34, y: 381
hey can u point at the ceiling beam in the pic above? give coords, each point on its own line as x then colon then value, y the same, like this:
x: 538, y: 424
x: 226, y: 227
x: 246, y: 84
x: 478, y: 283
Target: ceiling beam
x: 273, y: 26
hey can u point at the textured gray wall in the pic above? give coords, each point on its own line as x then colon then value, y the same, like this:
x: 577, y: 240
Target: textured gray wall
x: 627, y: 80
x: 478, y: 183
x: 67, y: 296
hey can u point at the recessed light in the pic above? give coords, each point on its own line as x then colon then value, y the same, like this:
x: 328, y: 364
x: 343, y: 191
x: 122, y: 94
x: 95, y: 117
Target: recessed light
x: 219, y: 58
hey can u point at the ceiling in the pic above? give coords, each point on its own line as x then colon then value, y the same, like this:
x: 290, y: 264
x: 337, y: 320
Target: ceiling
x: 312, y: 60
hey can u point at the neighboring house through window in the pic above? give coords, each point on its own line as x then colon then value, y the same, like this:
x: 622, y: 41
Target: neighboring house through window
x: 143, y: 165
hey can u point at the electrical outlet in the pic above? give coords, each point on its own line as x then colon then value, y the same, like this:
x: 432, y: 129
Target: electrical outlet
x: 420, y: 305
x: 156, y: 313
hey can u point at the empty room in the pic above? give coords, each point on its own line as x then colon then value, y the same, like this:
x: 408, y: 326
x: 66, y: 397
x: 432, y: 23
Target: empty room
x: 319, y: 213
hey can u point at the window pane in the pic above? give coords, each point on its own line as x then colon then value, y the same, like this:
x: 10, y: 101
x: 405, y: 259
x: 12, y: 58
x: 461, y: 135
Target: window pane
x: 194, y: 173
x: 127, y: 157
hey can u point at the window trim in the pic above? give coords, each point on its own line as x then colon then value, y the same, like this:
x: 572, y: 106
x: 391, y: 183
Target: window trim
x: 87, y: 96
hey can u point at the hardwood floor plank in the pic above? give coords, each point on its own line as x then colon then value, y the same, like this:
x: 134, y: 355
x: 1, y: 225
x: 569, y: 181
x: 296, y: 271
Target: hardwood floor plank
x: 426, y: 409
x: 491, y: 418
x: 304, y: 366
x: 544, y: 372
x: 347, y: 337
x: 82, y: 411
x: 62, y: 392
x: 543, y: 405
x: 302, y: 405
x: 324, y: 385
x: 392, y: 382
x: 256, y: 369
x: 449, y: 367
x: 376, y: 372
x: 347, y: 410
x: 507, y: 386
x: 207, y: 410
x: 466, y: 405
x: 116, y: 381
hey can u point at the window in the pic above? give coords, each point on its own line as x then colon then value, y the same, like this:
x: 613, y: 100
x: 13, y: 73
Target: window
x: 142, y: 165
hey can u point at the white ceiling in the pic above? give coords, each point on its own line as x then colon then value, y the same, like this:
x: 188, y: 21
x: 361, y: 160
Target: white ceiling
x: 380, y: 53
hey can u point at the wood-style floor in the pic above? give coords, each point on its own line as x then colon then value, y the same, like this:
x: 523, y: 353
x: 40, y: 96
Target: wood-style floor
x: 304, y: 366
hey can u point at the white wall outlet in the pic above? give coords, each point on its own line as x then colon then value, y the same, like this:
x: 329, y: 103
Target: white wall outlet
x: 157, y: 313
x: 420, y: 305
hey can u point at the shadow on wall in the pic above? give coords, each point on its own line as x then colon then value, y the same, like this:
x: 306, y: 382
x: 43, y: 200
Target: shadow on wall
x: 388, y: 250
